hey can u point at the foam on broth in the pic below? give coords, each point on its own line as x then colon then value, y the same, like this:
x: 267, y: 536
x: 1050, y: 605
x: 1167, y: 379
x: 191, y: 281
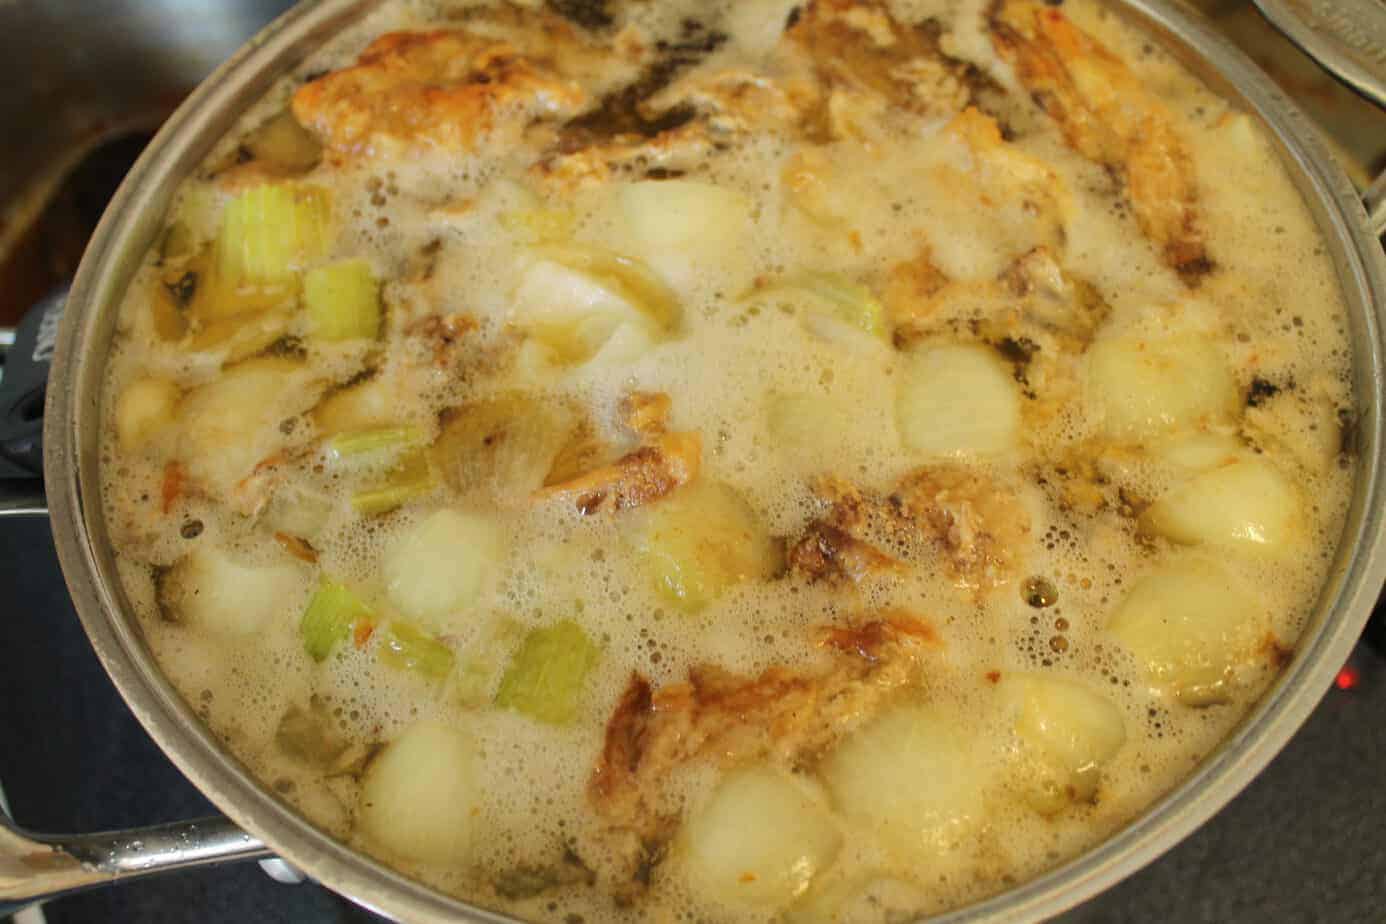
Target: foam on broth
x: 1272, y: 323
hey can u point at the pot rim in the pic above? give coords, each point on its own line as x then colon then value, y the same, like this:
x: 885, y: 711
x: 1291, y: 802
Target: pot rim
x: 135, y: 216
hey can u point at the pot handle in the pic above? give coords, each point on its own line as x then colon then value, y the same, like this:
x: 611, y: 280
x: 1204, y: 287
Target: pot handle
x: 1344, y: 38
x: 35, y: 867
x: 26, y: 352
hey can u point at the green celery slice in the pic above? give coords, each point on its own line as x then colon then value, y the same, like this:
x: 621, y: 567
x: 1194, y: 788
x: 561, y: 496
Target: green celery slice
x: 342, y: 300
x: 480, y: 670
x: 409, y: 648
x: 329, y: 617
x: 410, y: 479
x: 269, y: 232
x: 374, y: 439
x: 546, y: 676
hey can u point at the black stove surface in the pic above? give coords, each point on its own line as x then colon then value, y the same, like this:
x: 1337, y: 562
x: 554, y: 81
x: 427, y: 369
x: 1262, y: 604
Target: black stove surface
x: 1303, y: 843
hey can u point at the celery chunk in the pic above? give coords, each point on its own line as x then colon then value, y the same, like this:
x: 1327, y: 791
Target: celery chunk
x: 410, y: 479
x: 373, y: 440
x: 546, y: 676
x: 342, y: 300
x: 480, y: 670
x: 268, y: 232
x: 329, y: 617
x: 409, y: 648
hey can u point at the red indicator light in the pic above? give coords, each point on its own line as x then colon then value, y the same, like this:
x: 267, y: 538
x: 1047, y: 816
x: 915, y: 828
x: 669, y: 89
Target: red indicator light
x: 1347, y: 678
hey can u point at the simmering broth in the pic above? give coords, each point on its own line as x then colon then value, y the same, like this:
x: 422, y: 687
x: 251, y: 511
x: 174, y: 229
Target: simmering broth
x: 753, y: 461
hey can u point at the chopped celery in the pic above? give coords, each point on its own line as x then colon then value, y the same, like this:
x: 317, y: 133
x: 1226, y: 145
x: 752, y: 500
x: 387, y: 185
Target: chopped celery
x: 546, y: 676
x: 270, y: 231
x: 409, y: 648
x: 219, y: 301
x: 197, y: 288
x: 373, y: 440
x: 342, y: 300
x: 410, y: 479
x: 329, y: 617
x: 477, y: 674
x: 844, y: 300
x: 628, y: 277
x: 241, y: 336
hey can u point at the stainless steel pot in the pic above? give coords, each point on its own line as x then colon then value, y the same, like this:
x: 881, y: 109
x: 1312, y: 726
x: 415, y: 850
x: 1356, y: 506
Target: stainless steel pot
x: 32, y: 866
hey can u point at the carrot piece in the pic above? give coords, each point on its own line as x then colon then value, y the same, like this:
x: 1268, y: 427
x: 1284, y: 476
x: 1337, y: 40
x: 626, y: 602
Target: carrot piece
x: 172, y: 488
x: 362, y: 634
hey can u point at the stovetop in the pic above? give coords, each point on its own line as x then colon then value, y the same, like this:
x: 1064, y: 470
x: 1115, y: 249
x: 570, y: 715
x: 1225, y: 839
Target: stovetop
x: 1303, y: 843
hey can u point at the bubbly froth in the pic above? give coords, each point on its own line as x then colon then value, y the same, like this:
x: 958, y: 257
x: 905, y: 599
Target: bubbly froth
x: 780, y: 398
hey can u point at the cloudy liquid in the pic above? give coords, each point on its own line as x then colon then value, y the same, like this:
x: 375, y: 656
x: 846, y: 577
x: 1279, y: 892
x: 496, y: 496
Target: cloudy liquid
x: 727, y: 361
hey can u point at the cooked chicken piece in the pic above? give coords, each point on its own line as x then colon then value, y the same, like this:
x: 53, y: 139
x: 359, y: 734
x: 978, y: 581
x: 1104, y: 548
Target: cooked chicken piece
x: 998, y: 160
x: 649, y: 125
x: 673, y: 116
x: 1034, y: 308
x: 832, y: 547
x: 734, y: 100
x: 910, y: 287
x: 1087, y: 477
x: 864, y: 55
x: 1109, y: 117
x: 826, y: 552
x: 443, y: 336
x: 676, y: 128
x: 581, y: 453
x: 636, y: 478
x: 671, y: 152
x: 1053, y: 303
x: 445, y: 89
x: 787, y: 715
x: 980, y: 523
x: 646, y: 413
x: 995, y: 193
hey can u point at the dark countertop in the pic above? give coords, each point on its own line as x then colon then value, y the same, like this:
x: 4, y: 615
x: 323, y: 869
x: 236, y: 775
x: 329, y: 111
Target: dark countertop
x: 1302, y: 843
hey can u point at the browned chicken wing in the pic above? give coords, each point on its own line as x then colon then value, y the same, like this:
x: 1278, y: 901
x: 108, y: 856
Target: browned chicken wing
x: 638, y: 477
x: 1109, y: 117
x: 722, y: 716
x: 443, y: 89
